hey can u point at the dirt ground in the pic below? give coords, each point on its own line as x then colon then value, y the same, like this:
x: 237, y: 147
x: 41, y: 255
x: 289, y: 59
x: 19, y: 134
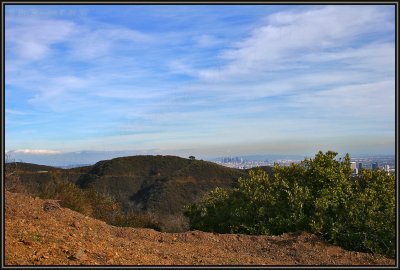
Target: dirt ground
x: 39, y: 232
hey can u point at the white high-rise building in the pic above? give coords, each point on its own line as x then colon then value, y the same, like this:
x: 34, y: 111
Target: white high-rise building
x: 354, y: 169
x: 353, y: 165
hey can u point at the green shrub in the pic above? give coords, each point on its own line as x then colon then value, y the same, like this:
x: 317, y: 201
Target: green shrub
x: 90, y: 202
x: 318, y: 195
x: 69, y: 194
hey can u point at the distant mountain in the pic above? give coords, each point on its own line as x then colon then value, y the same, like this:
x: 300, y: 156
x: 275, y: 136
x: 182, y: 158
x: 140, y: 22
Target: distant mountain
x: 68, y: 158
x: 74, y: 166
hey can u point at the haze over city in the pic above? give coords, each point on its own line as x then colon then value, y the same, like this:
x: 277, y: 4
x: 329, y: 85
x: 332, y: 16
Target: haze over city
x: 200, y: 80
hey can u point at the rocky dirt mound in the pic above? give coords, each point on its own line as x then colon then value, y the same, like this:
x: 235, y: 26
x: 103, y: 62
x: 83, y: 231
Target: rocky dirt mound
x: 40, y: 232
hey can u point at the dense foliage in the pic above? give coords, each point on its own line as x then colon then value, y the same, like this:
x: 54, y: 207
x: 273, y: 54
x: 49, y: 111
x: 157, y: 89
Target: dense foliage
x: 90, y: 202
x: 318, y: 195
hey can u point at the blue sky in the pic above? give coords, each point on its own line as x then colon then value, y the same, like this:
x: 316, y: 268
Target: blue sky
x: 202, y: 80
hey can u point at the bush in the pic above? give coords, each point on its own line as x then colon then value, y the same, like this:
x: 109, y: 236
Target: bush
x: 103, y: 207
x: 69, y: 194
x: 318, y: 195
x: 90, y: 202
x: 136, y: 220
x: 371, y: 217
x: 173, y: 223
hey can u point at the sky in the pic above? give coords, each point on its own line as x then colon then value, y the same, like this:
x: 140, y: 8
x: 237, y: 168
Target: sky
x: 203, y: 80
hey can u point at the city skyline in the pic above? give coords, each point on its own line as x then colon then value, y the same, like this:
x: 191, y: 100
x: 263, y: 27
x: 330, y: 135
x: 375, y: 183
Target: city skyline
x: 200, y: 80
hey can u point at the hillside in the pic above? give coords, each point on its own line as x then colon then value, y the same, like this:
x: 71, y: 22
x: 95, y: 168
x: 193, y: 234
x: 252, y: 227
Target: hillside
x: 39, y: 232
x: 23, y: 166
x: 161, y: 184
x: 34, y: 177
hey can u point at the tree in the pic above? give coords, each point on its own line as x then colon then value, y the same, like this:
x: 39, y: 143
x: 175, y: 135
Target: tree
x: 192, y: 158
x: 318, y: 195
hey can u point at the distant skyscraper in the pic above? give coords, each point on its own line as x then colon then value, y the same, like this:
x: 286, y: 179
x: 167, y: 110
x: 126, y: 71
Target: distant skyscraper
x: 360, y: 165
x: 387, y: 168
x: 353, y: 165
x: 374, y: 165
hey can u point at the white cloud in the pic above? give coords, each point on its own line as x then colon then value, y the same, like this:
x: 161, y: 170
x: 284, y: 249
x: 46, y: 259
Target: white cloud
x: 304, y: 63
x: 287, y: 36
x: 91, y: 43
x: 57, y: 92
x: 36, y: 151
x: 368, y: 101
x: 31, y: 38
x: 179, y: 67
x: 15, y: 112
x: 370, y: 57
x: 205, y: 41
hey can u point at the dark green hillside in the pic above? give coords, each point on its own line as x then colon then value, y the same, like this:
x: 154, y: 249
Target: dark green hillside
x: 34, y: 176
x: 159, y: 184
x: 22, y: 166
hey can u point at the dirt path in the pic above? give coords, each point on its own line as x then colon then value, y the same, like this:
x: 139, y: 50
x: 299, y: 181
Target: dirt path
x: 38, y: 232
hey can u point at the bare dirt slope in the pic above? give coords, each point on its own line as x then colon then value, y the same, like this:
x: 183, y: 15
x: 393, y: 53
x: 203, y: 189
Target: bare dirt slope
x: 39, y: 232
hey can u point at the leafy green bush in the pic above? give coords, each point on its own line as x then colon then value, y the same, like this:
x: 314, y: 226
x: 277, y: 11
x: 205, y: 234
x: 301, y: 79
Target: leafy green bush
x: 318, y: 195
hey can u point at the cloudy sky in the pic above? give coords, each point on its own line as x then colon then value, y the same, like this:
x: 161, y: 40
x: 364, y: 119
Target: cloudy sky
x: 202, y: 80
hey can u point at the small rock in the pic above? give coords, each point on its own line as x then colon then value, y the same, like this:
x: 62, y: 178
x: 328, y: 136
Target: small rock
x: 75, y: 225
x: 64, y: 248
x: 109, y: 254
x: 26, y: 242
x: 51, y: 206
x: 39, y: 254
x: 79, y: 255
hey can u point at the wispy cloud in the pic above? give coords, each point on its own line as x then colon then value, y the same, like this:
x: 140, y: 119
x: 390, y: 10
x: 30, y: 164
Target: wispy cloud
x: 91, y: 43
x: 207, y: 40
x: 196, y: 76
x: 287, y: 36
x: 353, y: 101
x: 31, y: 38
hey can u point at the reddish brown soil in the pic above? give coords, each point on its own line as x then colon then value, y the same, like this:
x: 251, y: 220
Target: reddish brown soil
x: 38, y: 232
